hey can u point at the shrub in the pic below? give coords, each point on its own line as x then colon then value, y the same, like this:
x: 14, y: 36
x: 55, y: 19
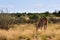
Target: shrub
x: 6, y: 21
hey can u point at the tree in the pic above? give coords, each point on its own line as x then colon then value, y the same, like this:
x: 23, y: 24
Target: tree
x: 55, y: 13
x: 18, y: 14
x: 46, y: 13
x: 58, y: 12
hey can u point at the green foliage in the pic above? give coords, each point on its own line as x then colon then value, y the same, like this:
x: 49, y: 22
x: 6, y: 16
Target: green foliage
x: 24, y: 14
x: 33, y: 17
x: 18, y: 14
x: 46, y: 13
x: 58, y: 13
x: 17, y: 18
x: 55, y: 13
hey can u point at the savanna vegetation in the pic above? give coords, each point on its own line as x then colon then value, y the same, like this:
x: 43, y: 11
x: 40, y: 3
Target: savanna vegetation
x: 22, y: 26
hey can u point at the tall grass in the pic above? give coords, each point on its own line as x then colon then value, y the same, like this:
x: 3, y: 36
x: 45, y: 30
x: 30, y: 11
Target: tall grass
x: 28, y: 32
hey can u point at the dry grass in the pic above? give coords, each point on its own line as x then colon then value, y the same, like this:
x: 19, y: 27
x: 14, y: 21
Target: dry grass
x: 27, y: 32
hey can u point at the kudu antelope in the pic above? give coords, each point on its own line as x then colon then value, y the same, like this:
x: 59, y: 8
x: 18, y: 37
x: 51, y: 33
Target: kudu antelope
x: 42, y: 23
